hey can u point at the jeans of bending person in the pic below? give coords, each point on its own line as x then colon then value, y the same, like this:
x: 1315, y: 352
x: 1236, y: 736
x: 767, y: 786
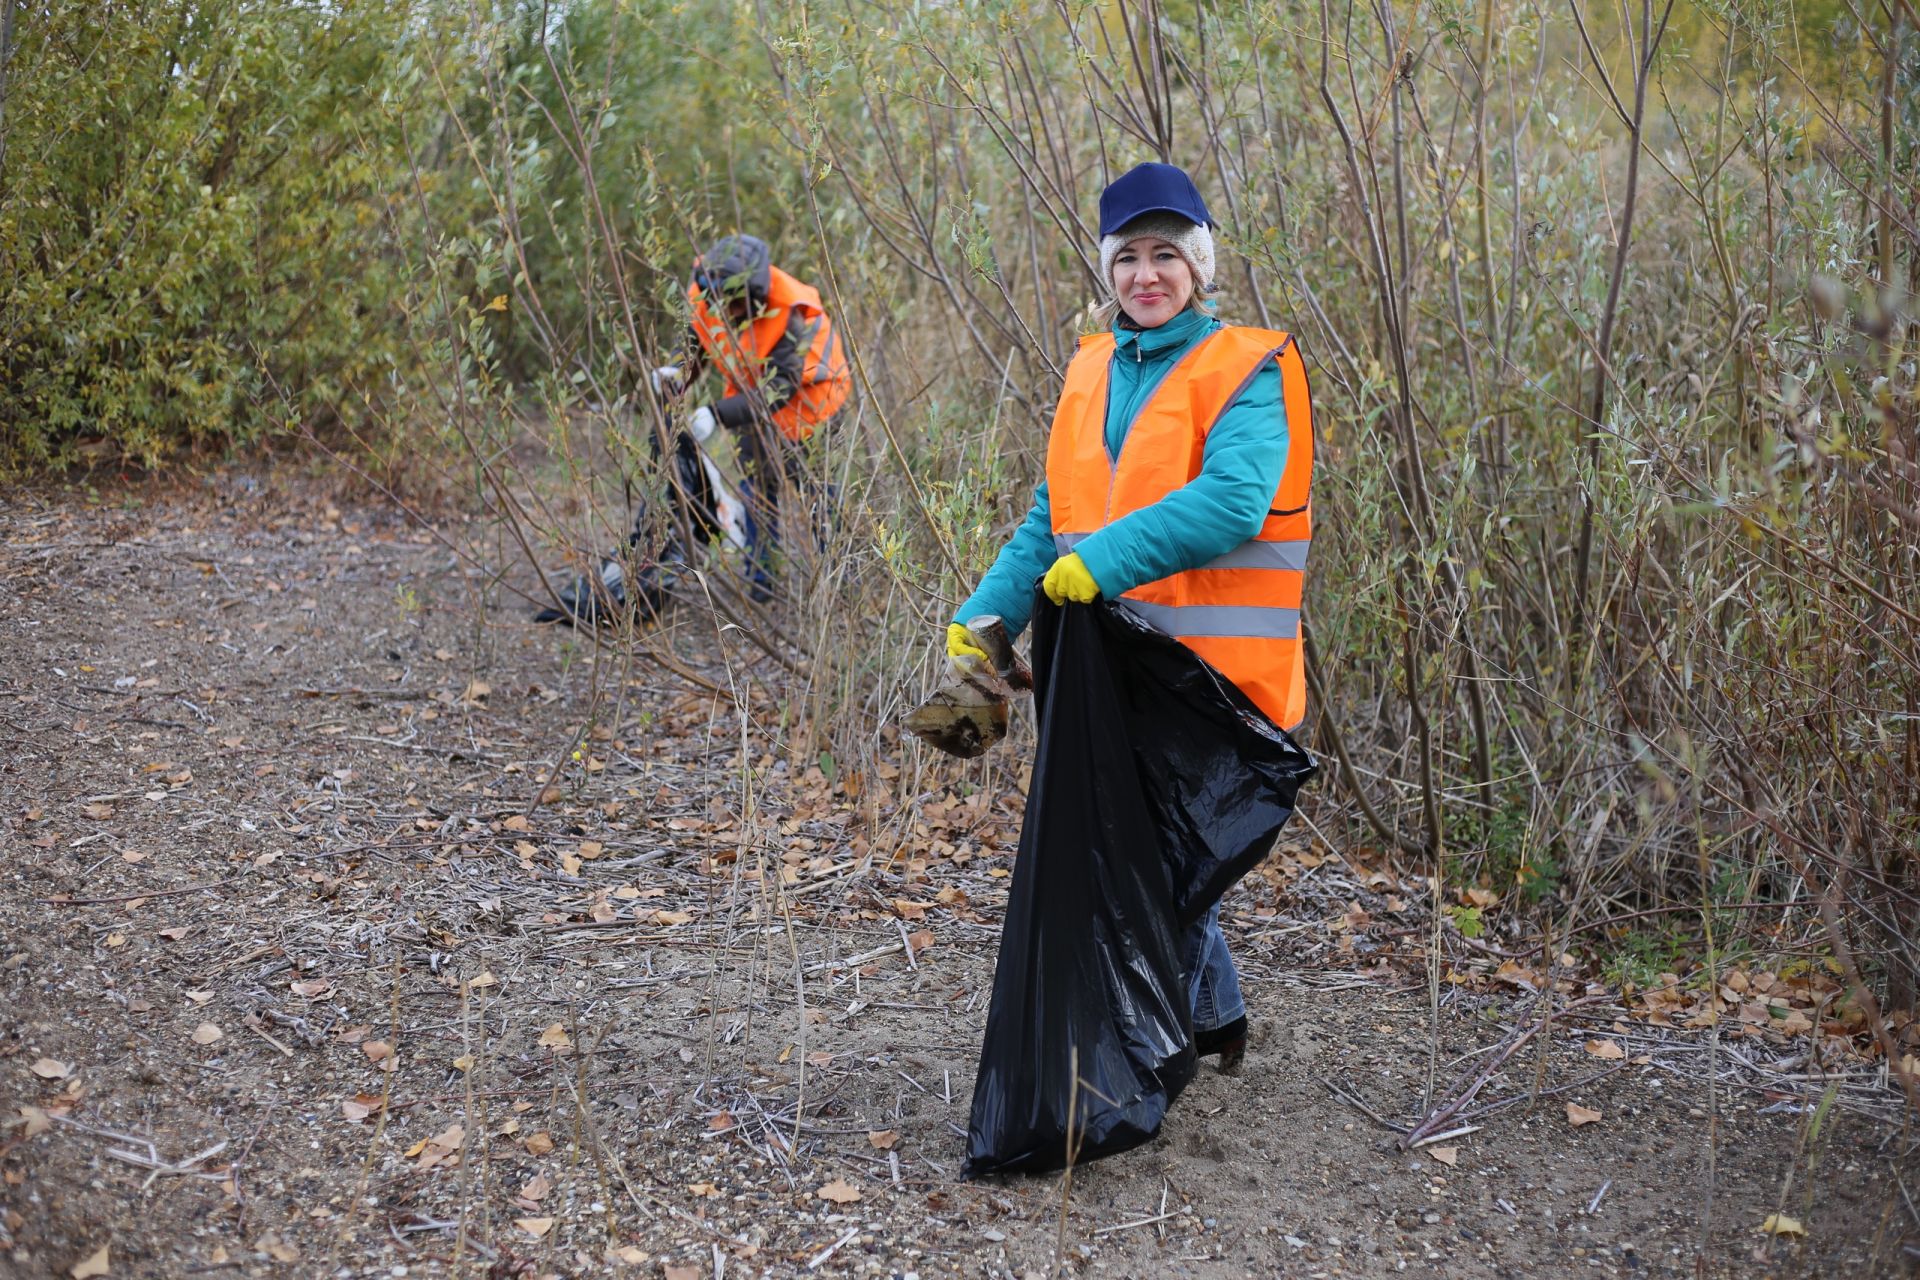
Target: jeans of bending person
x: 1213, y: 981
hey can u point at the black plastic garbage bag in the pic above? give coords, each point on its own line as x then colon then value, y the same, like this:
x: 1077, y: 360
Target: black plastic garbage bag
x: 1158, y: 784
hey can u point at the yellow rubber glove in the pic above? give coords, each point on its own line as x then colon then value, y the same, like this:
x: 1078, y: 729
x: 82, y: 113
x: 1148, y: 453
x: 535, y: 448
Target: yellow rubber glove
x: 962, y: 647
x: 1070, y: 582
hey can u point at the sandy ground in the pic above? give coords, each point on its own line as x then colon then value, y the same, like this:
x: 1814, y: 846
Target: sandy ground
x: 295, y: 979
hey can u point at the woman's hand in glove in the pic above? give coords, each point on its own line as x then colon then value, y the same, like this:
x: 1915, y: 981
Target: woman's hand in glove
x: 963, y: 647
x: 1069, y: 582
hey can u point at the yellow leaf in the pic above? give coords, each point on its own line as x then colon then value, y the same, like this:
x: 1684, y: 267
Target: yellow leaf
x: 92, y: 1265
x: 555, y: 1037
x: 464, y: 1062
x: 1779, y: 1224
x: 499, y: 303
x: 705, y: 1190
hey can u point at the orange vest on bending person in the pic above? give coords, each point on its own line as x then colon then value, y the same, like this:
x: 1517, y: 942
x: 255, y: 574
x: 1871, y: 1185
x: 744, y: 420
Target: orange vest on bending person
x: 1240, y: 611
x: 742, y: 355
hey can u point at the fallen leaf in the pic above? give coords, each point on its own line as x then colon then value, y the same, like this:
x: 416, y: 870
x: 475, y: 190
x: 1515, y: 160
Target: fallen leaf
x: 360, y: 1106
x: 681, y: 1271
x: 176, y: 933
x: 442, y: 1148
x: 1779, y: 1224
x: 840, y: 1191
x: 99, y: 813
x: 276, y: 1248
x: 920, y: 940
x: 464, y: 1062
x: 207, y: 1033
x: 1448, y: 1156
x: 883, y: 1139
x: 199, y: 997
x: 116, y: 939
x: 317, y: 989
x: 486, y: 979
x: 671, y: 917
x: 132, y: 855
x: 720, y: 1121
x: 591, y: 849
x: 50, y: 1069
x: 376, y: 1050
x: 632, y: 1255
x: 1609, y: 1049
x: 535, y: 1227
x: 555, y: 1037
x: 569, y: 864
x: 536, y: 1188
x: 92, y: 1265
x: 706, y: 1190
x: 539, y: 1144
x: 35, y: 1121
x: 1578, y: 1115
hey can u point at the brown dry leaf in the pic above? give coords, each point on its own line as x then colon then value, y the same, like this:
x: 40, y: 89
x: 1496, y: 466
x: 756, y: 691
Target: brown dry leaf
x: 539, y: 1144
x: 441, y: 1148
x: 51, y: 1069
x: 840, y: 1191
x: 536, y: 1189
x: 920, y: 940
x: 555, y: 1037
x: 705, y: 1190
x: 317, y: 989
x: 99, y: 813
x: 909, y: 909
x: 464, y: 1062
x: 535, y: 1227
x: 883, y: 1139
x: 35, y: 1121
x: 1448, y: 1156
x: 360, y: 1106
x: 94, y: 1264
x: 720, y: 1121
x: 1609, y: 1049
x: 376, y: 1050
x: 681, y: 1271
x: 276, y: 1248
x: 1578, y: 1115
x: 632, y: 1255
x: 591, y: 849
x: 116, y: 939
x: 1779, y: 1224
x: 569, y: 864
x: 1481, y: 897
x: 518, y: 822
x: 671, y: 917
x: 132, y: 855
x: 207, y: 1033
x: 176, y: 933
x: 603, y: 912
x: 486, y: 979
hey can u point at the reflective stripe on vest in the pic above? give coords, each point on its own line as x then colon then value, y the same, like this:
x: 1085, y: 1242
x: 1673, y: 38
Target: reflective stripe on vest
x: 825, y: 380
x: 1240, y: 611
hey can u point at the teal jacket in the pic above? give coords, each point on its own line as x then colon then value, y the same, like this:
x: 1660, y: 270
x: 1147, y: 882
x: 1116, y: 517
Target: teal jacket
x: 1218, y: 510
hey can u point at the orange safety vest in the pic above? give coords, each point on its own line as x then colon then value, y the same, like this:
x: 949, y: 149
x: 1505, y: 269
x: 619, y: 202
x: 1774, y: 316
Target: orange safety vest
x: 1241, y: 611
x: 824, y: 378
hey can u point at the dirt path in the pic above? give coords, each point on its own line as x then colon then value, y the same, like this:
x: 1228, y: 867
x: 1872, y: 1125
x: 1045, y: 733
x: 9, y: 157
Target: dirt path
x: 292, y: 984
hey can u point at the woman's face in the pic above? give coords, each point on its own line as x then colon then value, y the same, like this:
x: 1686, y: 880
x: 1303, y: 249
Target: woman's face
x: 1152, y: 281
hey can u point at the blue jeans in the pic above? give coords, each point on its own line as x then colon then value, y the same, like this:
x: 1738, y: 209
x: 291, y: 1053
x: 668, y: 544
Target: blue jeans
x: 1211, y: 978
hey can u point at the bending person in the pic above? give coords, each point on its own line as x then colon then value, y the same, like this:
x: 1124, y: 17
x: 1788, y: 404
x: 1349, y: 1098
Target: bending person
x: 785, y: 373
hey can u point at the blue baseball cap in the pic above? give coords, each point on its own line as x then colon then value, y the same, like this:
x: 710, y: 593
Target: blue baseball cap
x: 1151, y: 188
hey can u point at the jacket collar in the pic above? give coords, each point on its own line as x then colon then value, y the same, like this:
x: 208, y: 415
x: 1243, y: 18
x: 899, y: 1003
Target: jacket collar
x: 1176, y: 334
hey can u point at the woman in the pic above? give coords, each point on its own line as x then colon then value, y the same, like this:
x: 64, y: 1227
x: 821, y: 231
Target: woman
x: 1177, y: 487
